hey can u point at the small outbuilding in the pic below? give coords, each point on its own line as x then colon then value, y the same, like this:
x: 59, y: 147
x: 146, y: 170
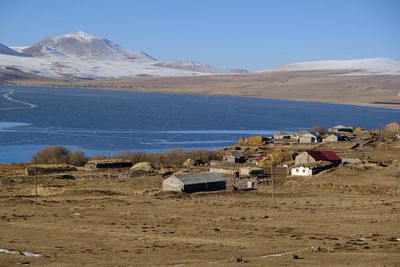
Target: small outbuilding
x: 309, y: 137
x: 108, y: 164
x: 335, y: 137
x: 234, y: 157
x: 194, y: 182
x: 284, y: 138
x: 251, y: 171
x: 341, y: 129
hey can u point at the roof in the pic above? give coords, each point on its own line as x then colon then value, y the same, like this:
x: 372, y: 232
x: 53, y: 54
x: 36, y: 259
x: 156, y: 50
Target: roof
x: 310, y: 134
x: 201, y: 177
x: 281, y: 134
x: 324, y: 155
x: 235, y: 153
x: 336, y: 134
x: 342, y: 127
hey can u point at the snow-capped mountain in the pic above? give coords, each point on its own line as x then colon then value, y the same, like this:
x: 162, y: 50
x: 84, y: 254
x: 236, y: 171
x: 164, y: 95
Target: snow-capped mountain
x: 81, y: 55
x: 366, y: 66
x: 5, y: 50
x: 83, y: 46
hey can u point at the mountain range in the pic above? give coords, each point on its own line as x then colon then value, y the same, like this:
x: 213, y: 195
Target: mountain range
x: 79, y: 55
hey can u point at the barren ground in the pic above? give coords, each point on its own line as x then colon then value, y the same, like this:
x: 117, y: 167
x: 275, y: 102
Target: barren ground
x: 351, y: 214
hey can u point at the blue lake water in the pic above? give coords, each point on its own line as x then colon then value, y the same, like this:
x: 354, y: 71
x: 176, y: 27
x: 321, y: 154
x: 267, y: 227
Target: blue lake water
x: 107, y: 122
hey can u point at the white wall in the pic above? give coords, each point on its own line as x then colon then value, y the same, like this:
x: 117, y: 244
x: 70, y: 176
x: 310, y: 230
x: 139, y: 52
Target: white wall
x: 301, y: 171
x: 172, y: 184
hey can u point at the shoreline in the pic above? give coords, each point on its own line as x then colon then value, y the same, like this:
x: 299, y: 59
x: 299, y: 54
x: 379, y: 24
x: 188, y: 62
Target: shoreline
x: 208, y: 93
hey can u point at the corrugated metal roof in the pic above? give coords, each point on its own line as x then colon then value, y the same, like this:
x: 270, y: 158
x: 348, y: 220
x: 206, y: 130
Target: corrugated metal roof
x: 198, y: 178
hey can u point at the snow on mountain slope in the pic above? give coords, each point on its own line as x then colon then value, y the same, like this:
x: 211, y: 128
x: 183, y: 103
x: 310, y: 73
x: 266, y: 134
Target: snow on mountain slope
x: 87, y: 69
x: 355, y: 66
x: 189, y: 65
x: 84, y: 46
x: 5, y: 50
x: 18, y: 48
x: 82, y: 55
x: 196, y: 66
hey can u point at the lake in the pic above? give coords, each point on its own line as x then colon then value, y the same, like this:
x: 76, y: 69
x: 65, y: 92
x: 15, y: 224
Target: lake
x: 108, y: 122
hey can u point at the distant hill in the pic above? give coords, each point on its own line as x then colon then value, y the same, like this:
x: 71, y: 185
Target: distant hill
x: 5, y: 50
x: 354, y: 66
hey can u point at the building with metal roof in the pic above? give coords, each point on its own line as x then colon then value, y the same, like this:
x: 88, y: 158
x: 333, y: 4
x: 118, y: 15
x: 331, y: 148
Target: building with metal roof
x: 194, y: 182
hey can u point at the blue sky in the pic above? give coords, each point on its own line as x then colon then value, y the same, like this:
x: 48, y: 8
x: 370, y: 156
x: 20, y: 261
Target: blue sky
x: 228, y: 34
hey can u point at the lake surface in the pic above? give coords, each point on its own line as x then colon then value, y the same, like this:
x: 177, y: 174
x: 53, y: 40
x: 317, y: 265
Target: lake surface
x: 108, y: 122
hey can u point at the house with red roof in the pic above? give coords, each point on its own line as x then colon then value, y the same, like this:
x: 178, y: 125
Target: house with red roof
x: 314, y: 156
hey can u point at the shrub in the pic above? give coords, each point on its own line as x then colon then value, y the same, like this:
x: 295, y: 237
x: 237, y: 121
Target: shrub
x: 59, y: 155
x: 76, y: 158
x: 318, y: 129
x: 51, y: 155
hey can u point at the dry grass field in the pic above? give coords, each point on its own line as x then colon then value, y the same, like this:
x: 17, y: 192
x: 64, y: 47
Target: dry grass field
x: 345, y: 217
x: 316, y: 86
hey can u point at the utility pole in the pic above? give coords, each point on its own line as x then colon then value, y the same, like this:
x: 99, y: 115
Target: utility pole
x: 272, y: 182
x: 35, y: 181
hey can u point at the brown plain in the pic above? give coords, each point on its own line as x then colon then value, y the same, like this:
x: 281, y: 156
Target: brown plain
x: 348, y: 216
x: 315, y: 86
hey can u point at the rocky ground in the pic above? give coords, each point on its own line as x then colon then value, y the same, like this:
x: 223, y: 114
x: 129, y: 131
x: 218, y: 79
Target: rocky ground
x: 346, y: 216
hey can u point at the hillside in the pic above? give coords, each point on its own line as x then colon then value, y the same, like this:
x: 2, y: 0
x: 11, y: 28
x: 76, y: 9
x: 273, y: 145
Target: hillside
x: 79, y: 55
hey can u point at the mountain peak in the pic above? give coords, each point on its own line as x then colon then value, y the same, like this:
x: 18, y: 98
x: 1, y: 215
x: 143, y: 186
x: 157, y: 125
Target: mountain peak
x: 82, y: 45
x: 83, y: 36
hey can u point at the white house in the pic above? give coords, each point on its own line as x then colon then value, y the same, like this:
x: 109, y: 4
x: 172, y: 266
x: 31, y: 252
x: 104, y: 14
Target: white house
x: 301, y: 171
x: 309, y: 169
x: 309, y: 137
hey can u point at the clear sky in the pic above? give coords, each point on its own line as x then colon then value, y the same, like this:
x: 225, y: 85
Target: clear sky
x: 247, y: 34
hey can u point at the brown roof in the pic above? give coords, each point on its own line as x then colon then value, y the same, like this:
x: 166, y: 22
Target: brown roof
x: 324, y: 155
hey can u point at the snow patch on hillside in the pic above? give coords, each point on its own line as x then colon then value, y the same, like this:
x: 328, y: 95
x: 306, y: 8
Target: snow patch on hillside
x: 89, y: 69
x: 367, y: 66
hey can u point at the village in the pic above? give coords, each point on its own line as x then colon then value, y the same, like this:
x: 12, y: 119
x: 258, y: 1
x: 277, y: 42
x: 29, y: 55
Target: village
x: 253, y: 160
x: 261, y: 191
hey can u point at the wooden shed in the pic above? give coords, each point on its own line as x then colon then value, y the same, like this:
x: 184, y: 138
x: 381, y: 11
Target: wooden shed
x: 194, y: 182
